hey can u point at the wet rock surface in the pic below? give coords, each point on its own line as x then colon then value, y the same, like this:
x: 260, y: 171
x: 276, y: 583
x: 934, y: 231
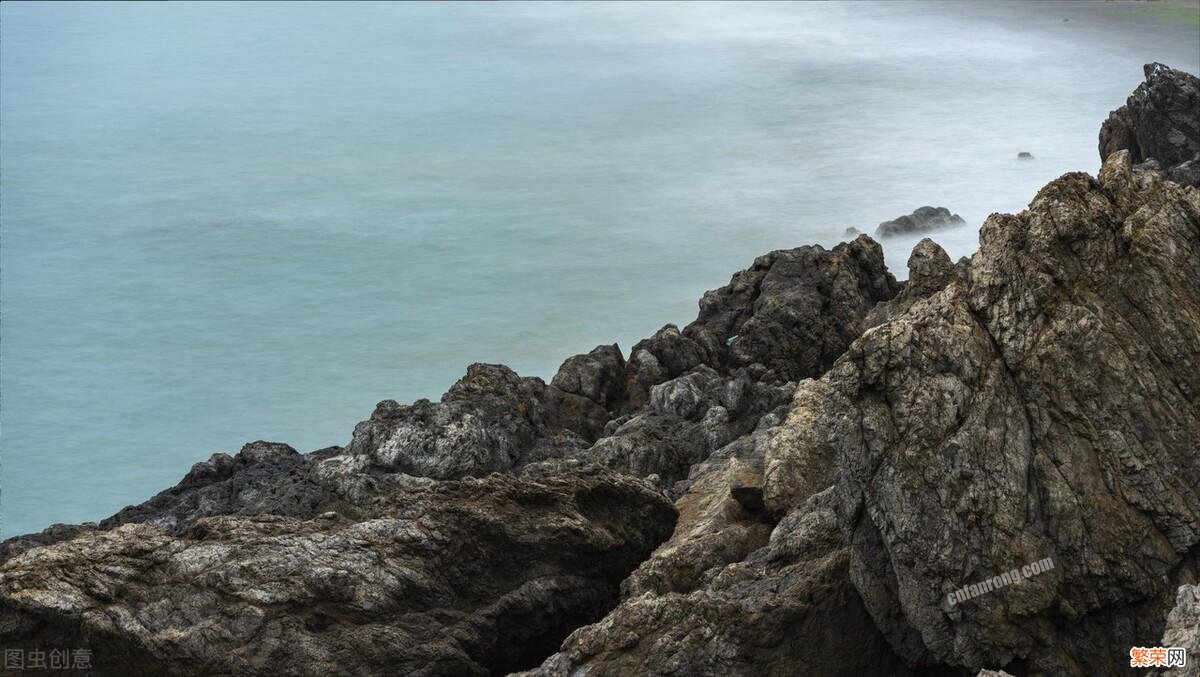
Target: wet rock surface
x: 923, y: 220
x: 794, y: 483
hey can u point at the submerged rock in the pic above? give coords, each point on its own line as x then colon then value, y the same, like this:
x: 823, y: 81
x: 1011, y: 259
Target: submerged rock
x: 922, y: 220
x: 1024, y: 156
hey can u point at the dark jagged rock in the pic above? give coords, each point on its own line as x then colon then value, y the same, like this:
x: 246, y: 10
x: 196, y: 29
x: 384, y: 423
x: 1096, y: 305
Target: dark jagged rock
x: 680, y: 395
x: 264, y: 477
x: 687, y: 419
x: 924, y: 219
x: 472, y: 577
x: 1160, y: 122
x: 490, y: 420
x: 795, y: 311
x: 597, y: 376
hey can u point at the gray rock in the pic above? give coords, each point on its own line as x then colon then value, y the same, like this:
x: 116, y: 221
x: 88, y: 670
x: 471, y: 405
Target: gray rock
x: 922, y: 220
x: 1024, y: 156
x: 490, y: 420
x: 473, y: 577
x: 794, y: 311
x: 1183, y: 630
x: 687, y: 419
x: 597, y: 376
x: 929, y: 271
x: 1160, y: 121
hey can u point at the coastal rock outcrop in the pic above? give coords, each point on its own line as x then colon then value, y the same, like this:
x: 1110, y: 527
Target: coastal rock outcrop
x: 472, y: 577
x: 1159, y: 122
x: 681, y: 394
x: 1040, y: 400
x: 787, y: 609
x: 1047, y: 407
x: 490, y: 420
x: 924, y: 219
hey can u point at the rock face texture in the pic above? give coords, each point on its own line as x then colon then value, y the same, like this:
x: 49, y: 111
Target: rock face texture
x: 785, y: 608
x: 1039, y: 400
x: 1160, y: 124
x: 797, y: 482
x: 1047, y: 407
x: 465, y: 578
x: 1183, y: 628
x: 922, y: 220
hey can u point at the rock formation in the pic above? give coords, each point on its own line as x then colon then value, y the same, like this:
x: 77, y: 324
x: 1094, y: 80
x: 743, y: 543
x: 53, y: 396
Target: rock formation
x: 794, y: 483
x: 426, y: 578
x: 923, y: 220
x: 1159, y: 124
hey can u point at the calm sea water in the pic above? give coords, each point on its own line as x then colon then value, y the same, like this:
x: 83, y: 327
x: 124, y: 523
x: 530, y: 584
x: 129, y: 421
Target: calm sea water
x: 221, y: 223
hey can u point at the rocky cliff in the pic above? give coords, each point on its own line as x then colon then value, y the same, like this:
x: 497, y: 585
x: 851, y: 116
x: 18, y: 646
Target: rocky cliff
x: 801, y: 481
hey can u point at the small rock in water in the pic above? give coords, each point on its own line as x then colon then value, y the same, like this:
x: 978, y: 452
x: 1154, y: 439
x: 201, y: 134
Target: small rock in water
x: 1024, y: 156
x: 851, y: 231
x: 923, y: 219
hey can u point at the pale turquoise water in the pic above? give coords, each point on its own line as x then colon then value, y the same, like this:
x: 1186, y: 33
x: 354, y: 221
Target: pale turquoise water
x: 220, y: 223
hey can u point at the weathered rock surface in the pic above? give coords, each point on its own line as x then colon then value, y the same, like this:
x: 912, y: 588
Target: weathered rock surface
x: 786, y: 609
x: 1037, y: 400
x: 450, y: 578
x: 1183, y: 629
x: 1160, y: 122
x: 929, y: 271
x: 490, y: 420
x: 1047, y: 407
x: 924, y: 219
x: 681, y: 394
